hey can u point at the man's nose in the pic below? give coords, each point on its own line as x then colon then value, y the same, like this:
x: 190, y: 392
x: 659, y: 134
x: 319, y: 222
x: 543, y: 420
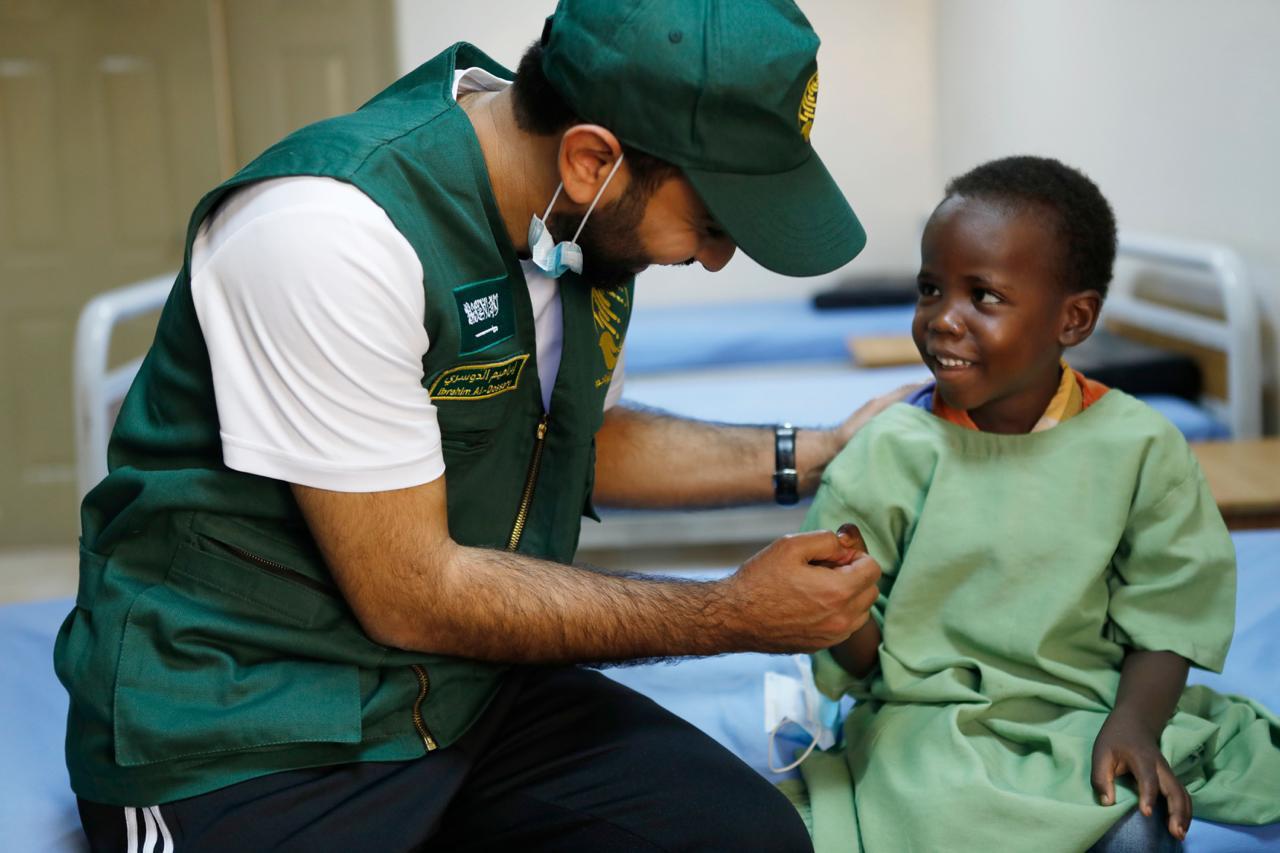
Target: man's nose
x: 715, y: 254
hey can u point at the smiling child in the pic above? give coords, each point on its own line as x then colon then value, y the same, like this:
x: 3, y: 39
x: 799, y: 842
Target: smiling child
x: 1052, y: 564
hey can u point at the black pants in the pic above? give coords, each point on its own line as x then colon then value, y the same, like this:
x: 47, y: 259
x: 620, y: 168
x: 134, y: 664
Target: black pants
x: 563, y: 759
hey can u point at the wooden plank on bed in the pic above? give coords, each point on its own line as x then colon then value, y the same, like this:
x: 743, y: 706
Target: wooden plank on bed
x: 1244, y: 477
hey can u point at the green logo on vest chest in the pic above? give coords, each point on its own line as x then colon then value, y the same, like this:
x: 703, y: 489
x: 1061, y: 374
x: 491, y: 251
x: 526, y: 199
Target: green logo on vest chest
x: 486, y: 316
x: 610, y: 309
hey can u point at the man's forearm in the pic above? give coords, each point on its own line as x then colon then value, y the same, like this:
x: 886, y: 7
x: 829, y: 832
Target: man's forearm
x: 411, y: 586
x: 1150, y: 685
x: 495, y: 605
x: 648, y: 458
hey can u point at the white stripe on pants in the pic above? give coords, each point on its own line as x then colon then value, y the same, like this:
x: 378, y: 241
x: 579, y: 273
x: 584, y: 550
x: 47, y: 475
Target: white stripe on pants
x: 154, y: 829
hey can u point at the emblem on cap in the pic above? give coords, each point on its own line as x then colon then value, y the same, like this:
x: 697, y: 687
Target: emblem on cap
x: 808, y: 106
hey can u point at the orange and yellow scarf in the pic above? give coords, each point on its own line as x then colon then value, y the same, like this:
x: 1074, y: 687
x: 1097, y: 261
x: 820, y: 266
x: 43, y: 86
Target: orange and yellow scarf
x: 1075, y: 393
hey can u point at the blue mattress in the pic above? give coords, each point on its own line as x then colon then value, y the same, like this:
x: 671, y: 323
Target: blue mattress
x: 761, y: 362
x: 723, y: 696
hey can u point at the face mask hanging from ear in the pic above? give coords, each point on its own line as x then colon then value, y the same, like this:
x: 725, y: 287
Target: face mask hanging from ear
x: 555, y: 259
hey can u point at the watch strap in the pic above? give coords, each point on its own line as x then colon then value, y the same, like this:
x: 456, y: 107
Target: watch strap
x: 785, y: 477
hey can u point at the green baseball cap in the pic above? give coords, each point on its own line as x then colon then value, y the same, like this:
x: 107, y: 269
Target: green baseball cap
x: 727, y: 91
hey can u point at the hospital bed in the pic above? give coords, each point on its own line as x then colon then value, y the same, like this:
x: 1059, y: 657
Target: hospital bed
x: 769, y: 362
x: 722, y: 695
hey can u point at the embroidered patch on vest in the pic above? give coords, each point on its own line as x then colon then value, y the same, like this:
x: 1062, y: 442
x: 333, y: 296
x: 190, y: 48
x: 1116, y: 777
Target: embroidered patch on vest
x: 478, y: 381
x: 485, y: 314
x: 607, y: 309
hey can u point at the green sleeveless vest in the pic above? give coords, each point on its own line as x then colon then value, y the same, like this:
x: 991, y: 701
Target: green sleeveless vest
x: 208, y: 644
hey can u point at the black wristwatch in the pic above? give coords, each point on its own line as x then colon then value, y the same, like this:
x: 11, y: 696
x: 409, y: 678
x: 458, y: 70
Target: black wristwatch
x: 785, y: 480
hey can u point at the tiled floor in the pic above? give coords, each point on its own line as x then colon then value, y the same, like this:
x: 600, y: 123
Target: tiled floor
x: 29, y: 574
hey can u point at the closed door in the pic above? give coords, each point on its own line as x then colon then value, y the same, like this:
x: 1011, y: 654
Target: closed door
x: 115, y: 116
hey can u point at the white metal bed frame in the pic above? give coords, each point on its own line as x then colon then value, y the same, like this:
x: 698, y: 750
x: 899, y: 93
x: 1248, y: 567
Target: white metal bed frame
x: 1237, y: 334
x: 99, y: 388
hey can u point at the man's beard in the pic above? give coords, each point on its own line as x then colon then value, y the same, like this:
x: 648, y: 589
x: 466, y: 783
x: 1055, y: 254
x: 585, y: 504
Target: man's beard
x: 611, y: 250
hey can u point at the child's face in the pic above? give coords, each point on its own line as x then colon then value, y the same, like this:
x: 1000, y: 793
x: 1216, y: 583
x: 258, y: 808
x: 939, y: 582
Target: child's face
x: 992, y: 317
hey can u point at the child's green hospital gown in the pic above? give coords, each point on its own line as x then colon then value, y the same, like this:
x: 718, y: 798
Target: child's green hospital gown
x: 1016, y: 570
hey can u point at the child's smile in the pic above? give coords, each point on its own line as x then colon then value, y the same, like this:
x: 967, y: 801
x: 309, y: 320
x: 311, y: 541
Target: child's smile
x: 993, y: 315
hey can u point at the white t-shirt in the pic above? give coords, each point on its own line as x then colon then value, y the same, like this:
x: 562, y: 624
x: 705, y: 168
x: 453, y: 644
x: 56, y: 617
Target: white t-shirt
x: 311, y: 305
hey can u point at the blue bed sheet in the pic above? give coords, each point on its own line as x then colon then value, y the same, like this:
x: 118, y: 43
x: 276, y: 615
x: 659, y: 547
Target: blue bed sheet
x: 687, y: 337
x: 723, y: 696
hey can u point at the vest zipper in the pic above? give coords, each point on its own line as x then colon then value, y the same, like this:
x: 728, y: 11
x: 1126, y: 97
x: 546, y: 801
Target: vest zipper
x: 424, y: 683
x: 531, y: 480
x: 424, y: 686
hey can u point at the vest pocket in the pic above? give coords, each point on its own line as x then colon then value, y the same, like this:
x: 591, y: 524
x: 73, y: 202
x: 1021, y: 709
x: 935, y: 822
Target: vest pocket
x: 208, y: 668
x: 466, y: 442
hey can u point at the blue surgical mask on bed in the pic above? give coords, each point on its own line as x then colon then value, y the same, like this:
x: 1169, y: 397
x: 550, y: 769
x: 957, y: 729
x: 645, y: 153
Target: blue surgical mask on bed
x: 555, y: 259
x: 798, y: 701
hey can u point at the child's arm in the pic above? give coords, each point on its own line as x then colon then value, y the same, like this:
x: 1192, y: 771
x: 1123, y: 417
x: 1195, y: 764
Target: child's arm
x: 858, y: 654
x: 1129, y: 742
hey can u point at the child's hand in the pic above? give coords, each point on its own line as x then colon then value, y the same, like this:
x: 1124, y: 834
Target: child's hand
x: 1125, y: 746
x: 869, y: 410
x: 850, y: 539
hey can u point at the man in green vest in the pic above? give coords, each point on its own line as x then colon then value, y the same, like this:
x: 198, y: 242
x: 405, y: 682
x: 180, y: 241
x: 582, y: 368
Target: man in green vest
x: 325, y: 599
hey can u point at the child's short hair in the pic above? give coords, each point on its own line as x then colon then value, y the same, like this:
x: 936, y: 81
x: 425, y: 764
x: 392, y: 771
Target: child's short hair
x: 1083, y: 218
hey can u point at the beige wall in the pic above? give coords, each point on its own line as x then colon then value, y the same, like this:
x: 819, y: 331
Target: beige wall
x: 875, y: 127
x: 1170, y: 105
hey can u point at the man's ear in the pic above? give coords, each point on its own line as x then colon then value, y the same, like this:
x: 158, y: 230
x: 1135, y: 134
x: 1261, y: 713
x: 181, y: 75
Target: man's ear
x: 587, y: 154
x: 1079, y: 316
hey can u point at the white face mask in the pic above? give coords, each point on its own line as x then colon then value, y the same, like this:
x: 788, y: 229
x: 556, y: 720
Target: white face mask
x: 798, y: 701
x: 553, y: 258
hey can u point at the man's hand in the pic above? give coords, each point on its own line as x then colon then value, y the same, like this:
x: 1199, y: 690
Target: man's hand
x: 805, y: 592
x: 870, y: 409
x: 858, y: 654
x: 1125, y: 745
x: 816, y: 448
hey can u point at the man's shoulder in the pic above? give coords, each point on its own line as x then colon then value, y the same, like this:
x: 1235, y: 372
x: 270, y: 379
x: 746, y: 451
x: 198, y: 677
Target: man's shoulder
x: 305, y: 220
x: 297, y: 196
